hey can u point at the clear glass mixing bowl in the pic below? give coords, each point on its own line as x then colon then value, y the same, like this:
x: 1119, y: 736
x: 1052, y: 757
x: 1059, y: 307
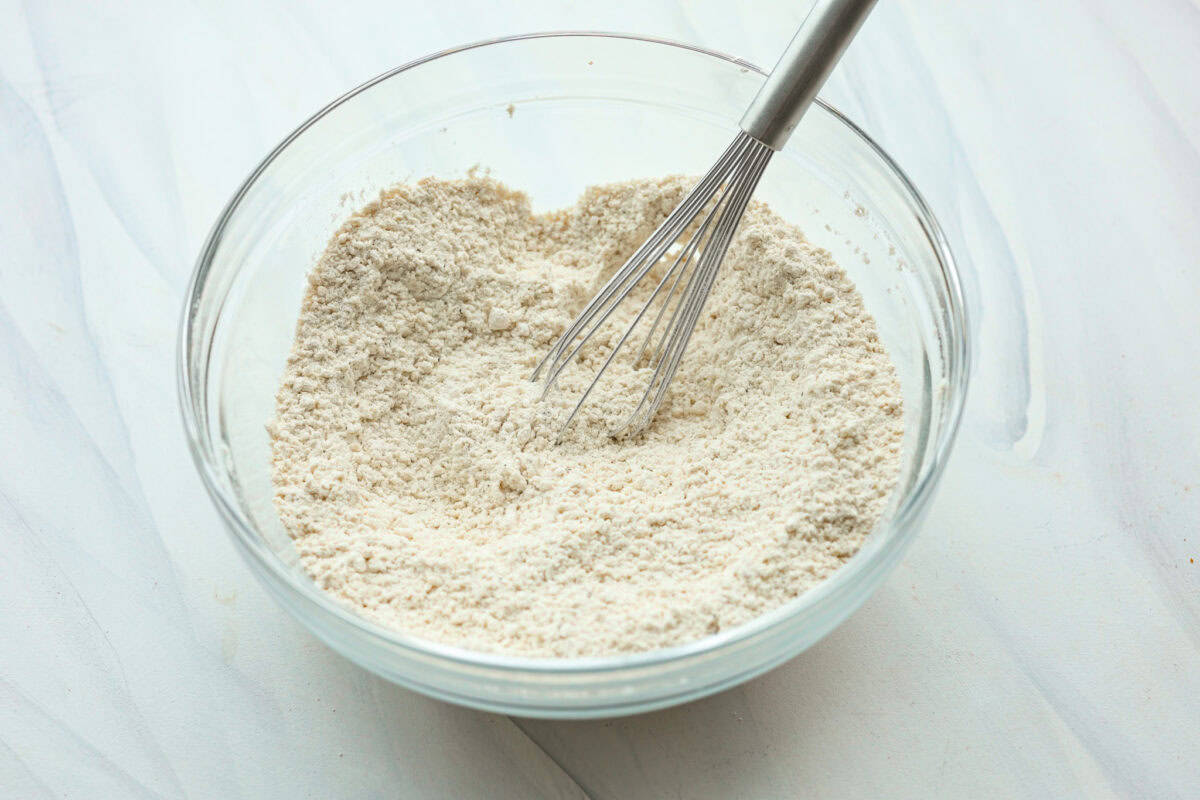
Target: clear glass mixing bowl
x: 551, y: 114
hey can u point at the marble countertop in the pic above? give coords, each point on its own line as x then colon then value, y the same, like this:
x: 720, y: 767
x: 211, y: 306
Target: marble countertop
x: 1041, y: 638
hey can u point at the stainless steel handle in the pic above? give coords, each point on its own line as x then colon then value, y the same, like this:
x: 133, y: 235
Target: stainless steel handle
x: 802, y: 69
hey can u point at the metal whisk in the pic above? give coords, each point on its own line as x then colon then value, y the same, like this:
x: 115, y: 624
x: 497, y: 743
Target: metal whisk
x: 721, y: 197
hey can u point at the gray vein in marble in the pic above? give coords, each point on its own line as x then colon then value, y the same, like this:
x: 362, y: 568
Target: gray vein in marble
x: 1111, y: 752
x: 129, y: 120
x: 31, y: 779
x: 69, y: 740
x: 992, y: 283
x: 140, y: 728
x: 522, y: 726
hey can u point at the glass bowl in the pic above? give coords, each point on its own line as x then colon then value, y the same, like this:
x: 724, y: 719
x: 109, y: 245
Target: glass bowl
x: 550, y: 114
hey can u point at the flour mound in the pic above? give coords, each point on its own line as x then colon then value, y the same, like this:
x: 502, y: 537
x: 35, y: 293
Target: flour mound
x: 417, y: 471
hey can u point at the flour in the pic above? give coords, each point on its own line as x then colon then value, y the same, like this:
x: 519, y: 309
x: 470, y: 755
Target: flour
x: 417, y: 471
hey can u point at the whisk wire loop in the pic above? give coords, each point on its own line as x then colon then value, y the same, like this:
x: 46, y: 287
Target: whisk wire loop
x: 721, y: 197
x: 646, y: 256
x: 667, y: 360
x: 725, y: 191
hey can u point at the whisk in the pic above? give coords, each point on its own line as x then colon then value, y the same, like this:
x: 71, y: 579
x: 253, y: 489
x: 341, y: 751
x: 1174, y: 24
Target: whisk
x: 721, y: 197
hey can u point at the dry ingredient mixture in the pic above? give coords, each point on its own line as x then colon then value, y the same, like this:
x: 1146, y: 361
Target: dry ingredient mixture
x: 418, y: 474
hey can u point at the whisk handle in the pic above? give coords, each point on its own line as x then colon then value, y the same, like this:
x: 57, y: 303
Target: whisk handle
x: 802, y: 69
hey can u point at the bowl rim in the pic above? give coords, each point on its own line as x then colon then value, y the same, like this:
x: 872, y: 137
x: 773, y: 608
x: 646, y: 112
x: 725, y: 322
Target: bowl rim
x: 907, y: 512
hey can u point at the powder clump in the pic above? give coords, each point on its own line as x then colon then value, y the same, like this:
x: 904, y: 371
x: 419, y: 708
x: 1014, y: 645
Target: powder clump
x: 419, y: 477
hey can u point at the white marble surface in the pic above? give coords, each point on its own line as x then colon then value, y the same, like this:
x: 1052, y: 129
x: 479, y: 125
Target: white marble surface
x: 1042, y: 637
